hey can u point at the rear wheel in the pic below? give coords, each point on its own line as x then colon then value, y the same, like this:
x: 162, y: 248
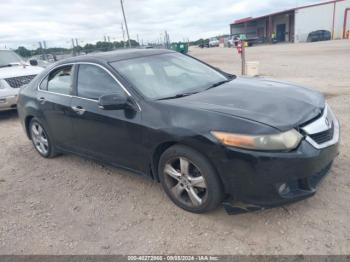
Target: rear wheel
x: 189, y: 179
x: 41, y: 139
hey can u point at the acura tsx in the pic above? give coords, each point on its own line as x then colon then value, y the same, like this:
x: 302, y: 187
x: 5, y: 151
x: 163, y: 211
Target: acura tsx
x: 207, y: 136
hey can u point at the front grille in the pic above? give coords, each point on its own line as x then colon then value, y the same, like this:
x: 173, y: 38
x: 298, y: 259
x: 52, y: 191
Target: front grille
x: 17, y: 82
x: 324, y: 131
x: 324, y: 136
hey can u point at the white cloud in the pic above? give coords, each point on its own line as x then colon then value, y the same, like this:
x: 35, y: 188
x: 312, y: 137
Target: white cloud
x: 27, y: 22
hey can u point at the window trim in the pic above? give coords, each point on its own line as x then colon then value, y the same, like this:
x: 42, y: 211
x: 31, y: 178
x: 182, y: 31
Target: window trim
x: 74, y: 64
x: 45, y: 79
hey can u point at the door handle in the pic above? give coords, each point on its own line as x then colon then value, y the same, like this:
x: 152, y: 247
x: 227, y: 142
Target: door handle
x: 42, y: 100
x: 78, y: 109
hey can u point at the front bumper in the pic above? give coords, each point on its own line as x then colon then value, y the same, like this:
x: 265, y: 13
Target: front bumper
x: 8, y: 102
x: 253, y: 180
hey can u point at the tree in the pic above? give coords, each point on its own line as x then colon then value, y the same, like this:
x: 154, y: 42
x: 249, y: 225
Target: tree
x: 200, y: 41
x: 24, y: 52
x: 88, y: 48
x: 104, y: 46
x: 120, y: 44
x: 134, y: 43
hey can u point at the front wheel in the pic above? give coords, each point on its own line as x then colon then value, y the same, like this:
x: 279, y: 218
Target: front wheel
x: 41, y: 139
x: 189, y: 179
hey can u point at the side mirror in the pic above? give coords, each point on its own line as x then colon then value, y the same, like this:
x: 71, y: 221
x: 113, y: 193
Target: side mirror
x: 33, y: 62
x: 113, y: 102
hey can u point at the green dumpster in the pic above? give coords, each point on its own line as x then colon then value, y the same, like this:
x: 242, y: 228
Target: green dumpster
x: 180, y: 47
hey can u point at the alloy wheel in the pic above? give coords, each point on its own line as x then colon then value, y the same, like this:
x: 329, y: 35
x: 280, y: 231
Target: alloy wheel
x: 185, y: 182
x: 39, y: 138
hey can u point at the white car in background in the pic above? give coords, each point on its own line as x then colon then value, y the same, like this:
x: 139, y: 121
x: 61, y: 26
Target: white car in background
x: 14, y: 73
x: 213, y: 42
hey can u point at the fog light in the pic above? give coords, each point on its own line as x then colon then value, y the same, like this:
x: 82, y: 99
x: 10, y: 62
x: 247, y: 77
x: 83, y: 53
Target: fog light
x: 283, y: 189
x: 2, y: 100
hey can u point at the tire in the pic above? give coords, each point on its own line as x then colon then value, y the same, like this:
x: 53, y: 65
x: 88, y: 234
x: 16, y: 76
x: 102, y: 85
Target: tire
x: 39, y: 135
x: 189, y: 179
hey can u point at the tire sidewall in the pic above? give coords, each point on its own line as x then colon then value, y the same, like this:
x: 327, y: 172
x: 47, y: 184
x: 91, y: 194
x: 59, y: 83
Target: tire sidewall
x: 214, y: 187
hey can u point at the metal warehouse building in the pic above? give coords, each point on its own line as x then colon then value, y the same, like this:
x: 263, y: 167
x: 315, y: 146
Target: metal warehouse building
x: 294, y: 25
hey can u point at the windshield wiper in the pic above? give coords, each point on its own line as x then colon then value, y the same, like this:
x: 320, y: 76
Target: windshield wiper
x: 10, y: 64
x: 230, y: 77
x: 218, y: 84
x: 178, y: 95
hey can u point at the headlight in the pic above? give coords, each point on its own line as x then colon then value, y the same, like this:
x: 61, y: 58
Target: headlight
x: 282, y: 141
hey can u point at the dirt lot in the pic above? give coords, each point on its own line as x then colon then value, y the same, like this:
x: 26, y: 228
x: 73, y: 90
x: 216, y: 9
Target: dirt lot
x: 69, y: 205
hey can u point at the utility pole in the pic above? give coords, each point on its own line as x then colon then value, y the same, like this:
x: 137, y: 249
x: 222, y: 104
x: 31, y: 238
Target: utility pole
x: 44, y: 50
x: 77, y: 45
x: 123, y: 33
x: 126, y: 25
x: 167, y: 39
x: 41, y: 49
x: 243, y: 59
x: 73, y: 47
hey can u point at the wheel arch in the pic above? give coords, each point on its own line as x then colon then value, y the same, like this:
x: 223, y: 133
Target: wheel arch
x: 28, y: 111
x: 161, y: 148
x: 27, y: 121
x: 157, y: 152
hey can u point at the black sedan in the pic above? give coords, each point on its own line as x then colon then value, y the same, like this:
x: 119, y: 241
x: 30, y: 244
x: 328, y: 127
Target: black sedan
x: 319, y: 35
x: 207, y: 136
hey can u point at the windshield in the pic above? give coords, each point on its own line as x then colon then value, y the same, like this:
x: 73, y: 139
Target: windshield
x: 9, y: 57
x: 167, y: 75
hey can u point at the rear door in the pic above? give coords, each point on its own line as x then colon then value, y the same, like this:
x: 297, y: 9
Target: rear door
x: 110, y: 135
x: 54, y: 96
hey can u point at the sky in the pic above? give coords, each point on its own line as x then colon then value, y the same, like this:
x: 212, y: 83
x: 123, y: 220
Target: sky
x: 26, y: 22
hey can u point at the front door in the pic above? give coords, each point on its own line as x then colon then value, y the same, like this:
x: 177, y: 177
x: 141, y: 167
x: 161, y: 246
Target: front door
x: 281, y: 32
x: 110, y: 135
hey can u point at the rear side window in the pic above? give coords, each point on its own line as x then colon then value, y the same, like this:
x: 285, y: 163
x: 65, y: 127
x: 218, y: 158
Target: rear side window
x: 60, y: 81
x: 94, y: 82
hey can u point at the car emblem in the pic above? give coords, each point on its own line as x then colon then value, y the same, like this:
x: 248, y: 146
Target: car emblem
x: 328, y: 124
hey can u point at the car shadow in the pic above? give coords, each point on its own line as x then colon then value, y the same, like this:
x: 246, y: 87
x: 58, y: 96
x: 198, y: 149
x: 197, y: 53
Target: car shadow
x: 11, y: 114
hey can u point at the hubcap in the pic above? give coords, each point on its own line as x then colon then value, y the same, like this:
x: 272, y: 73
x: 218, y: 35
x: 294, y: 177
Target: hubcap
x: 185, y: 182
x: 40, y: 139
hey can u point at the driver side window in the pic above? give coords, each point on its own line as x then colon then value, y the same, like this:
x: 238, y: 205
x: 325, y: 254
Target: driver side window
x: 94, y: 82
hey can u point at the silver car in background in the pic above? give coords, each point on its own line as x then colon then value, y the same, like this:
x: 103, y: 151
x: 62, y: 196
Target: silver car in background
x: 14, y: 73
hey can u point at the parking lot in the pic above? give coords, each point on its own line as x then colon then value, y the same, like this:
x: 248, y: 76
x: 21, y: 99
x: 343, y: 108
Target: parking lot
x: 69, y: 205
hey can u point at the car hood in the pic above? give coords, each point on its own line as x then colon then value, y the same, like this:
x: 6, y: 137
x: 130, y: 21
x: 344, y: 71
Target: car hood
x: 278, y: 104
x: 14, y: 71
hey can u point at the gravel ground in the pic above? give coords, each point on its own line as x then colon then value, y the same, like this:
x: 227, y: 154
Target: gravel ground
x: 69, y: 205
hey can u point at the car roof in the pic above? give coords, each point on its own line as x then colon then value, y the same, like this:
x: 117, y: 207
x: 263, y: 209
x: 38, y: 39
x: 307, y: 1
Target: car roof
x: 117, y: 55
